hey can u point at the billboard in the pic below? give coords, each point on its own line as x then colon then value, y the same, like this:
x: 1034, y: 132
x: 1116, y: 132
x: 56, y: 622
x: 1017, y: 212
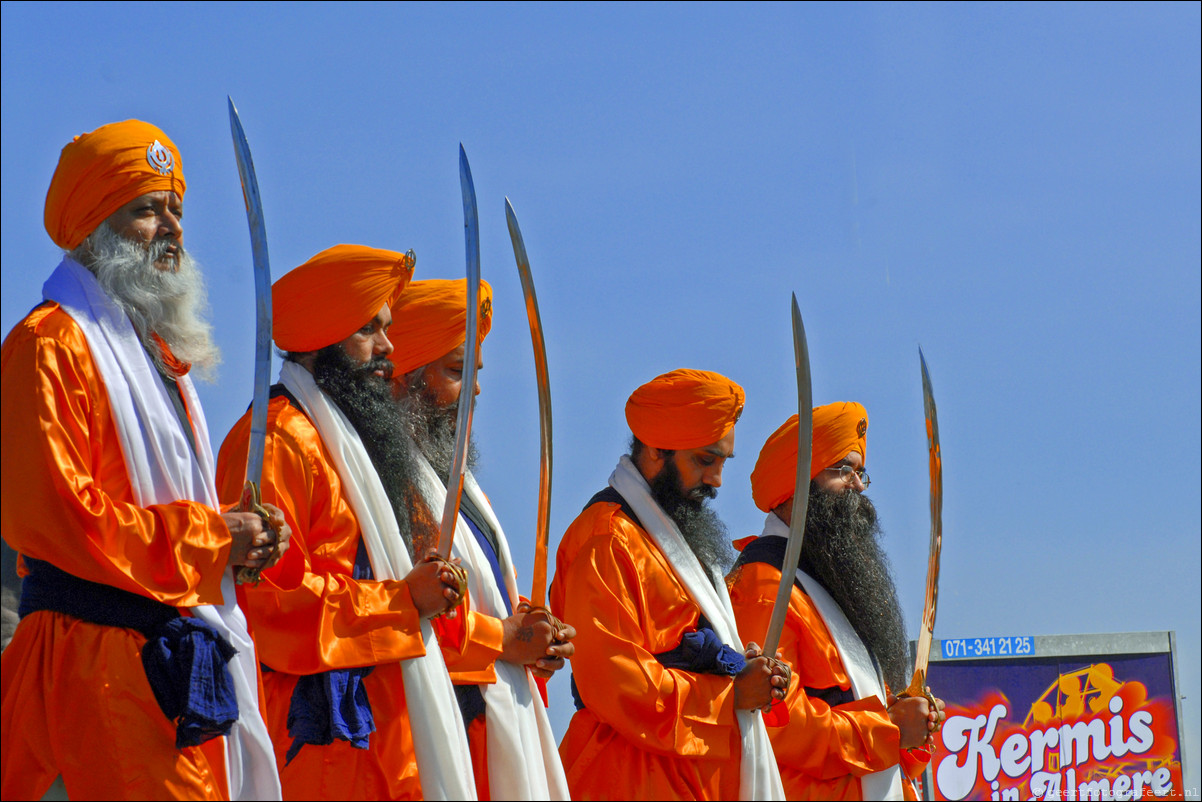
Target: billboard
x: 1066, y: 717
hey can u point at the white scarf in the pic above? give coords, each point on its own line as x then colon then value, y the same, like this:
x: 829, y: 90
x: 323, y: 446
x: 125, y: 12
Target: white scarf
x: 163, y: 468
x: 865, y: 682
x: 523, y: 757
x: 444, y: 762
x: 759, y: 777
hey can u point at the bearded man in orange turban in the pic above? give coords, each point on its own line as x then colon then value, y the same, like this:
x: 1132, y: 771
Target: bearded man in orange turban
x: 666, y: 691
x: 359, y: 702
x: 514, y: 752
x: 131, y: 674
x: 843, y: 735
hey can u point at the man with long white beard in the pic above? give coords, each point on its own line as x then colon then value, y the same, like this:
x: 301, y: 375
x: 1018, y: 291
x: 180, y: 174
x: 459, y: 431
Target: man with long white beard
x: 359, y: 702
x: 666, y: 695
x: 131, y: 674
x: 843, y: 735
x: 514, y: 752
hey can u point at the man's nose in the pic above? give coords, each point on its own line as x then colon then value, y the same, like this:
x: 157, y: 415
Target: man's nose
x: 383, y: 345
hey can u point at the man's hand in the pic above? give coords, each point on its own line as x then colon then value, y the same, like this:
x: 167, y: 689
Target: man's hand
x: 762, y: 682
x: 434, y: 587
x: 916, y: 719
x: 256, y: 545
x: 536, y: 639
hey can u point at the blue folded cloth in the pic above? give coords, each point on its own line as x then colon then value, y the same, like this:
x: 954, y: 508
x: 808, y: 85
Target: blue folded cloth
x: 328, y: 706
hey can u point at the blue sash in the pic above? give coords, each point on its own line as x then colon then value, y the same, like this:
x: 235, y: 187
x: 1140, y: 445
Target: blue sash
x: 185, y: 659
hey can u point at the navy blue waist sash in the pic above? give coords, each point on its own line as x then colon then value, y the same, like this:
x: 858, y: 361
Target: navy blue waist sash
x: 331, y: 704
x: 700, y: 652
x: 185, y: 659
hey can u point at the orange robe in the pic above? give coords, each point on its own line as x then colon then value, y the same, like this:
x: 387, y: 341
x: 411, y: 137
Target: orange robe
x: 309, y: 615
x: 76, y: 700
x: 647, y: 732
x: 822, y: 751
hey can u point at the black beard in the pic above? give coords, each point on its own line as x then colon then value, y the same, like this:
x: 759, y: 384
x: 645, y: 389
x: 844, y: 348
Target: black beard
x: 700, y: 526
x: 842, y: 551
x: 366, y: 400
x: 433, y: 427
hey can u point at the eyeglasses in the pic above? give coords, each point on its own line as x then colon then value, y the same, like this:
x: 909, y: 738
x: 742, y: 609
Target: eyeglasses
x: 845, y: 473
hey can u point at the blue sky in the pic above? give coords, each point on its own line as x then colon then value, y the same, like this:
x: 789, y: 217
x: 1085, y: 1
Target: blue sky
x: 1014, y: 187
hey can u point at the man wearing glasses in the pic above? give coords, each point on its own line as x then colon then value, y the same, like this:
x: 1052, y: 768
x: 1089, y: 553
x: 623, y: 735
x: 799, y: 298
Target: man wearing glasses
x: 843, y: 734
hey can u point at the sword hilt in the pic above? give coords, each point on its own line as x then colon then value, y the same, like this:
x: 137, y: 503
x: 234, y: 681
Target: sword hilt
x: 251, y: 502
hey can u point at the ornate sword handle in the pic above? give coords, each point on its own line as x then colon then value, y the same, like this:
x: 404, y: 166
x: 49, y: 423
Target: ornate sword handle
x: 251, y: 502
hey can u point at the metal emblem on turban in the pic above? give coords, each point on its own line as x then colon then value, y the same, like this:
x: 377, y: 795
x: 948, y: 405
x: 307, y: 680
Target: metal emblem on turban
x: 486, y: 307
x: 738, y: 413
x: 160, y: 158
x: 861, y: 428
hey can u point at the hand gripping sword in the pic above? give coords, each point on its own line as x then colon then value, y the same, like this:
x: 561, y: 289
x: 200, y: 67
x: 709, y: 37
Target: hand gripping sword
x: 538, y: 594
x: 918, y: 685
x: 801, y: 485
x: 471, y: 351
x: 258, y: 410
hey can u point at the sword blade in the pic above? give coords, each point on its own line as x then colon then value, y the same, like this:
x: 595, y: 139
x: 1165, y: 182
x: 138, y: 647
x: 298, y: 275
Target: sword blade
x: 262, y: 385
x: 262, y: 267
x: 935, y: 467
x: 471, y: 350
x: 542, y: 529
x: 801, y: 485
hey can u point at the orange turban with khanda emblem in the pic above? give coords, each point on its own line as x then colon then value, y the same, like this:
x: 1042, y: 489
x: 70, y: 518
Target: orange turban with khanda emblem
x: 334, y: 294
x: 684, y: 409
x: 839, y: 428
x: 429, y: 321
x: 101, y: 171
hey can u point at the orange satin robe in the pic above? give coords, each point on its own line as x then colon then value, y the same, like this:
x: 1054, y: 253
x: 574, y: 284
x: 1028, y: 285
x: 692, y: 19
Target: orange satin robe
x: 309, y: 615
x: 76, y: 701
x: 822, y: 751
x: 647, y: 732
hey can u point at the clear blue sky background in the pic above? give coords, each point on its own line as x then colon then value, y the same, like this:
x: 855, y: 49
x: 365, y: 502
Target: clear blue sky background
x: 1015, y: 187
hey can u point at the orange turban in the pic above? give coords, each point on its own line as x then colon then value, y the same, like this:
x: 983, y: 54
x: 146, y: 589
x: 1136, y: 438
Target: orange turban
x: 331, y: 296
x: 839, y: 428
x: 430, y: 320
x: 684, y: 409
x: 101, y: 171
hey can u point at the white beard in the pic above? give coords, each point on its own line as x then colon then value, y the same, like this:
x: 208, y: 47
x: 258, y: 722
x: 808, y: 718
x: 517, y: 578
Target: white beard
x: 173, y: 305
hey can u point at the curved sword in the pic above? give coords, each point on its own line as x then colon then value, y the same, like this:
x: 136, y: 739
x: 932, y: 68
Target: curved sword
x: 471, y: 351
x: 801, y: 485
x: 935, y: 467
x: 258, y: 409
x: 538, y: 595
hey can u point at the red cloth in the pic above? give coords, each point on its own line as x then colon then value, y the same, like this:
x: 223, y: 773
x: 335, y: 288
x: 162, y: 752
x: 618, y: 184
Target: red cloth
x: 822, y: 751
x: 648, y: 732
x: 75, y: 696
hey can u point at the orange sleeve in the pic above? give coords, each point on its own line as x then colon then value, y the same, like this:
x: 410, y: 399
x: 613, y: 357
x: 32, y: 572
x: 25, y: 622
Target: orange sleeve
x: 616, y: 588
x: 477, y: 644
x: 818, y: 740
x: 67, y: 497
x: 308, y: 613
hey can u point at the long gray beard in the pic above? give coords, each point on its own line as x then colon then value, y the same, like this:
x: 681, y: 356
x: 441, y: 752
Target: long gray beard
x: 173, y: 305
x: 433, y: 428
x: 842, y: 551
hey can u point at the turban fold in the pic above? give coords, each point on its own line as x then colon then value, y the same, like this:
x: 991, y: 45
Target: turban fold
x: 333, y: 295
x: 430, y: 320
x: 684, y: 409
x: 101, y: 171
x: 839, y: 428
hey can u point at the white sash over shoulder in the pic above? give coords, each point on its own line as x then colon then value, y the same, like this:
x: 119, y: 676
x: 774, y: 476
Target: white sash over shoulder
x: 759, y: 777
x: 865, y: 682
x: 444, y: 762
x: 523, y: 757
x: 163, y: 468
